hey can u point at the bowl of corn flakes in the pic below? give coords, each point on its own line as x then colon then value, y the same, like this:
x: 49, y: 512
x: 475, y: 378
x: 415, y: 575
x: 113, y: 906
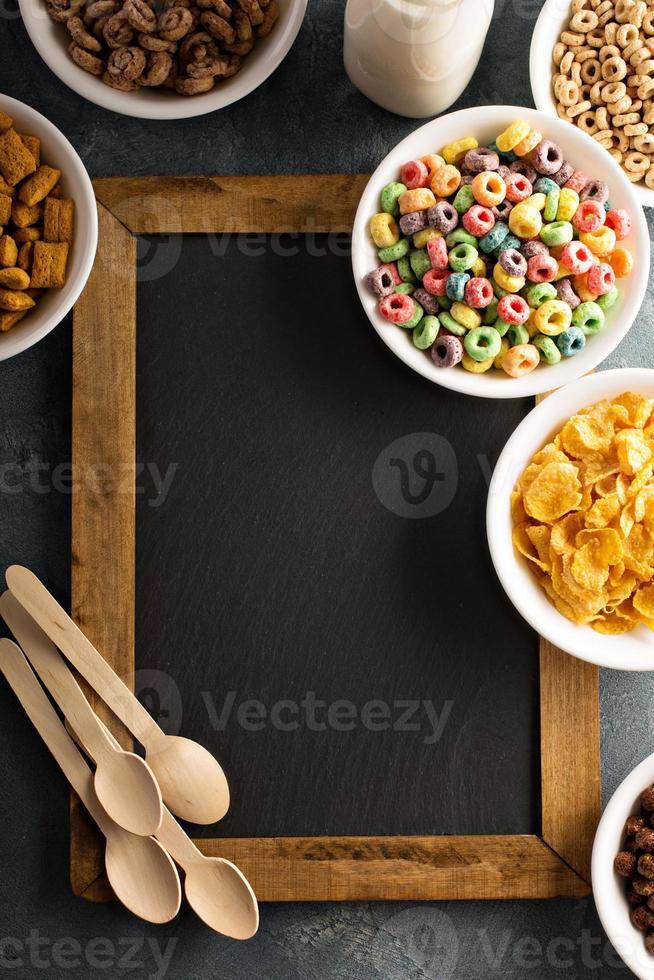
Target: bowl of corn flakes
x: 570, y: 519
x: 48, y: 227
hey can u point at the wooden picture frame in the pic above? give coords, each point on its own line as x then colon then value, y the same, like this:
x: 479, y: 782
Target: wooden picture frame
x: 557, y: 863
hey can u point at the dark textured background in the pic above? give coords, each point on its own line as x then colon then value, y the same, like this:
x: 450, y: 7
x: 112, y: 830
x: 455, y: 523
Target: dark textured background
x: 319, y: 124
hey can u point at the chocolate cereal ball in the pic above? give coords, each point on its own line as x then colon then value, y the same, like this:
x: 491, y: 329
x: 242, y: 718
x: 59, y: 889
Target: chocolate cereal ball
x: 625, y: 864
x: 647, y: 799
x: 645, y: 839
x: 646, y: 865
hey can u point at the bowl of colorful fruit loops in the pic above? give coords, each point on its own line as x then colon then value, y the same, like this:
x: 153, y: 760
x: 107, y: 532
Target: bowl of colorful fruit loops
x: 509, y: 264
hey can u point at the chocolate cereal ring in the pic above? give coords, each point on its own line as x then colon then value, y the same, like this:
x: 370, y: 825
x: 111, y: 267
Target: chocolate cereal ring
x: 81, y: 36
x: 158, y: 68
x: 118, y: 31
x: 253, y: 11
x: 128, y: 64
x: 141, y: 16
x: 218, y: 27
x: 85, y: 59
x: 175, y: 23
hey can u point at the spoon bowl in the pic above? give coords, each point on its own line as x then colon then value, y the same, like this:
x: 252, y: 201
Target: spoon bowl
x: 192, y: 782
x: 143, y: 876
x: 222, y: 897
x: 125, y: 787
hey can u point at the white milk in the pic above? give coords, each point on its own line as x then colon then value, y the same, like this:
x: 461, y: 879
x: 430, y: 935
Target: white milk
x: 414, y: 57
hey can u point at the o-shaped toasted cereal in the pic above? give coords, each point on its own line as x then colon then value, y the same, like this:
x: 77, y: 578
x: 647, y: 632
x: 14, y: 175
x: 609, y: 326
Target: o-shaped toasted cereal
x: 529, y: 143
x: 512, y: 284
x: 383, y: 230
x: 420, y: 199
x: 600, y: 242
x: 553, y: 317
x: 489, y: 188
x: 520, y: 360
x: 525, y: 221
x: 455, y: 151
x: 445, y: 181
x: 512, y: 135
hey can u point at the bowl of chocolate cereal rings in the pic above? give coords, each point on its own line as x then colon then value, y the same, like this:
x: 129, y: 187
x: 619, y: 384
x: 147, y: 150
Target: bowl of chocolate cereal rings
x: 163, y: 59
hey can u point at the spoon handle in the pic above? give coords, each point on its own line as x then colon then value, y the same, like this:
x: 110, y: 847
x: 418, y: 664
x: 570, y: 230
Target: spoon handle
x: 56, y: 676
x: 65, y: 634
x: 22, y: 680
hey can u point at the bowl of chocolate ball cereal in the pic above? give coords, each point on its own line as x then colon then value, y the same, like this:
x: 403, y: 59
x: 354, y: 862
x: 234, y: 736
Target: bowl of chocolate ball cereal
x: 163, y: 59
x: 592, y: 64
x: 623, y: 870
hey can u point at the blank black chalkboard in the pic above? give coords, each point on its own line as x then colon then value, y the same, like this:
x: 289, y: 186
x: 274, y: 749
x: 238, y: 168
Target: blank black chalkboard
x: 314, y: 591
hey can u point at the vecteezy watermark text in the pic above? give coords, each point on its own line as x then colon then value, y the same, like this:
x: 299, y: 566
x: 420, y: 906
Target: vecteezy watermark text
x: 318, y: 715
x: 38, y: 477
x: 151, y: 957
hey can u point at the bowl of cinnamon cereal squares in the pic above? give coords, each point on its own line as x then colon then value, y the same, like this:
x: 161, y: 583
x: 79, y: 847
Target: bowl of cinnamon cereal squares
x: 48, y: 227
x: 592, y: 64
x: 163, y: 59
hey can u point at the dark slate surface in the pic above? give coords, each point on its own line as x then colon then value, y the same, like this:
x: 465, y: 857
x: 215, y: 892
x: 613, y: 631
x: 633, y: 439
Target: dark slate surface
x: 43, y: 930
x: 284, y: 562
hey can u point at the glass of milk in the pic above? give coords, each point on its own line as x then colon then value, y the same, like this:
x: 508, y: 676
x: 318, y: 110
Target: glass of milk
x: 414, y: 57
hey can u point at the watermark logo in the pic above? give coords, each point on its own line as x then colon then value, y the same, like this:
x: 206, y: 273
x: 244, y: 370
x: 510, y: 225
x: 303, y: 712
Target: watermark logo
x: 417, y: 475
x: 426, y: 938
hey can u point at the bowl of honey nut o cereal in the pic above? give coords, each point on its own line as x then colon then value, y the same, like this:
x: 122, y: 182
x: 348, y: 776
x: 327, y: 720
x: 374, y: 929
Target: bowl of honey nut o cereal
x: 48, y: 227
x: 163, y: 59
x: 592, y: 64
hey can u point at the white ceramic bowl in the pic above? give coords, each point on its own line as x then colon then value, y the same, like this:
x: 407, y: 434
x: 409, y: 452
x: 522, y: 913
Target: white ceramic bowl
x: 485, y: 123
x: 629, y: 651
x: 51, y: 41
x: 608, y: 887
x: 553, y: 19
x: 54, y: 304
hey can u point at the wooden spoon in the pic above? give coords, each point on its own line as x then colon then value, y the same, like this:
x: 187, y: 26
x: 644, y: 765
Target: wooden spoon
x: 140, y: 871
x: 124, y: 783
x: 191, y: 780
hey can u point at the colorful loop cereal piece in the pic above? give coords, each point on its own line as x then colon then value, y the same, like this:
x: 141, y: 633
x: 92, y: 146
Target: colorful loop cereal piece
x: 462, y: 257
x: 525, y: 221
x: 481, y: 158
x: 563, y: 175
x: 600, y: 242
x: 571, y: 341
x: 577, y: 181
x: 394, y: 252
x: 546, y: 157
x: 464, y: 198
x: 466, y: 316
x: 428, y: 302
x: 488, y: 188
x: 433, y: 162
x: 404, y: 269
x: 600, y: 278
x: 445, y: 181
x: 557, y: 233
x: 499, y: 358
x: 568, y: 204
x: 531, y: 140
x: 456, y: 151
x: 517, y: 334
x: 547, y: 349
x: 493, y: 239
x: 382, y: 281
x: 589, y: 216
x: 518, y: 188
x: 502, y: 210
x: 478, y: 293
x: 413, y: 222
x: 384, y: 230
x: 501, y: 326
x: 553, y: 317
x: 447, y: 351
x: 512, y: 135
x: 620, y: 221
x: 479, y: 269
x: 589, y: 318
x: 490, y: 314
x: 524, y: 168
x: 509, y: 242
x: 621, y: 261
x: 435, y: 281
x: 421, y: 238
x: 513, y: 309
x: 398, y: 308
x: 405, y: 287
x: 595, y: 190
x: 608, y: 300
x: 520, y: 360
x: 577, y: 257
x: 414, y: 174
x: 420, y: 262
x: 513, y: 262
x: 420, y: 199
x: 583, y: 290
x: 450, y: 324
x: 534, y: 247
x: 565, y: 292
x: 478, y: 220
x: 482, y: 343
x: 390, y: 196
x: 536, y: 201
x: 437, y: 252
x: 426, y: 332
x: 443, y: 216
x: 546, y: 184
x: 456, y: 286
x: 476, y: 367
x: 512, y: 284
x: 542, y: 268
